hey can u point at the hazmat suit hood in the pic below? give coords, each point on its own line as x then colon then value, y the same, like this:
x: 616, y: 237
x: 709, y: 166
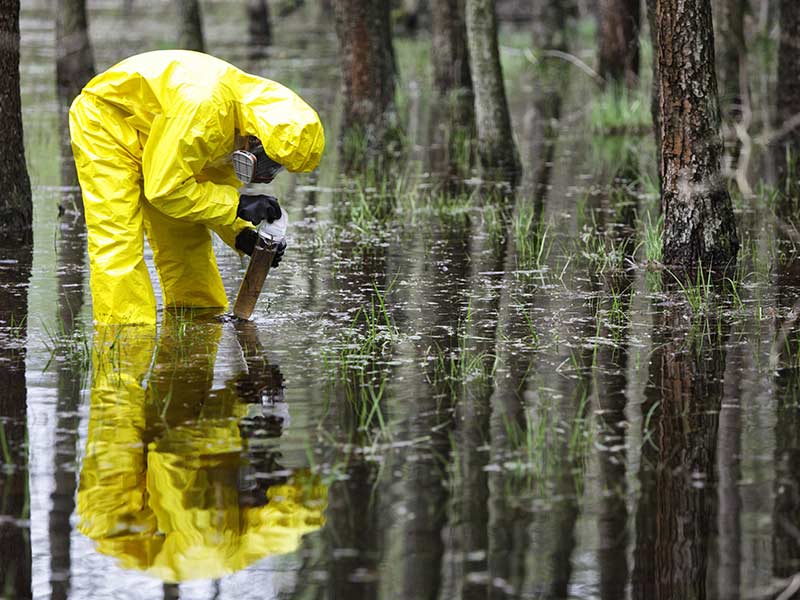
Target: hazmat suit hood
x: 204, y: 89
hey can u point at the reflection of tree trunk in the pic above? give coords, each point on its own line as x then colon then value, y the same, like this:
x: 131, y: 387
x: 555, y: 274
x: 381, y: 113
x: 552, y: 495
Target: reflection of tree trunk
x: 496, y: 148
x: 15, y: 549
x: 674, y: 516
x: 610, y: 395
x: 16, y: 209
x: 618, y: 54
x: 70, y: 276
x: 190, y: 22
x: 786, y: 510
x: 352, y: 524
x: 729, y: 466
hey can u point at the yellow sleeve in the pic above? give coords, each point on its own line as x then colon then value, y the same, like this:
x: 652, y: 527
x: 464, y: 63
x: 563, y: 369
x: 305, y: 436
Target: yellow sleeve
x: 181, y: 142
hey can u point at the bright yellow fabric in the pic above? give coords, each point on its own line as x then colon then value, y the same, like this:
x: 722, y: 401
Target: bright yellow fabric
x: 159, y: 481
x: 152, y: 137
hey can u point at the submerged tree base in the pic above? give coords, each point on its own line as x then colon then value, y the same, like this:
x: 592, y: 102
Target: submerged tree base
x: 699, y: 228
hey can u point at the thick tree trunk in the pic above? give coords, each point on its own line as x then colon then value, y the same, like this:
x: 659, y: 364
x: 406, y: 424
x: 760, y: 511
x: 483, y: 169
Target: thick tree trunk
x: 368, y: 72
x: 260, y: 27
x: 496, y: 148
x: 788, y: 92
x: 16, y: 208
x: 731, y: 54
x: 619, y: 41
x: 699, y: 226
x: 190, y: 19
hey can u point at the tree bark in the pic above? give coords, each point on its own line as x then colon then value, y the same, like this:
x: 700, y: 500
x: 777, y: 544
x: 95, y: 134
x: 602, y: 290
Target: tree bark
x: 619, y: 41
x: 496, y: 148
x: 190, y: 19
x: 260, y: 27
x: 363, y: 28
x: 16, y: 207
x: 699, y: 225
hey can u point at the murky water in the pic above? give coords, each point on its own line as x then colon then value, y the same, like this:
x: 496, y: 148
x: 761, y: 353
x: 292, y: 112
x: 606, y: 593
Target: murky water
x: 470, y: 398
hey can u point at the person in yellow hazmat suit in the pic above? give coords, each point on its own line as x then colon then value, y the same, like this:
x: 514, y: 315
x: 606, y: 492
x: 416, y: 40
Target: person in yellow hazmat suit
x: 182, y: 481
x: 153, y: 139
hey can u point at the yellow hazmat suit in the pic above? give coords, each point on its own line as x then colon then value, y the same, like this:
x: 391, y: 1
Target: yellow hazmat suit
x: 152, y: 138
x: 160, y: 483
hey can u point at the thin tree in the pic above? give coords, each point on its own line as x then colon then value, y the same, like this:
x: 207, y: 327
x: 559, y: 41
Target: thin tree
x: 190, y: 19
x: 450, y: 54
x: 363, y: 28
x: 618, y: 35
x: 699, y: 225
x: 788, y: 92
x: 260, y: 23
x: 548, y: 23
x: 731, y: 53
x: 16, y: 208
x: 496, y: 148
x: 74, y: 68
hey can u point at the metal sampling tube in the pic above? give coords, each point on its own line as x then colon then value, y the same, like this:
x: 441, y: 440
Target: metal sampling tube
x: 253, y: 282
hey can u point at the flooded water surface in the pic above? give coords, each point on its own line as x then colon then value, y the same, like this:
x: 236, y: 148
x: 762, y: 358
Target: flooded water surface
x: 445, y: 392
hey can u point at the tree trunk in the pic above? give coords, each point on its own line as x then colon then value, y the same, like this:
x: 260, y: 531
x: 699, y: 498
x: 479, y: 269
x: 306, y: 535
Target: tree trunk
x: 364, y: 31
x: 16, y: 208
x: 190, y: 19
x: 699, y: 226
x: 450, y: 53
x: 496, y: 148
x: 619, y: 41
x: 788, y: 92
x: 74, y: 57
x: 549, y: 24
x: 260, y: 28
x: 451, y: 76
x: 731, y: 49
x: 74, y: 68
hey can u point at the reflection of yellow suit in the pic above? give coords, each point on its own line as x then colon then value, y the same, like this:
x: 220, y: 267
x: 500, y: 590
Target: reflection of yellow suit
x: 159, y: 482
x: 152, y: 137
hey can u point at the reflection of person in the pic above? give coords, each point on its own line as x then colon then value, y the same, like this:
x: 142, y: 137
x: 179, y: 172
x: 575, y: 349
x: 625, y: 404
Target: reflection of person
x: 153, y: 139
x: 176, y: 480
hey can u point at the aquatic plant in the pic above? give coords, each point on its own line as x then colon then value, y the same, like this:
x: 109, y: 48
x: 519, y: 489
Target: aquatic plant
x: 620, y: 111
x: 357, y: 362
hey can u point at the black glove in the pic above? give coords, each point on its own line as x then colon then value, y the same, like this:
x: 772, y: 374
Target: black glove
x: 276, y: 260
x: 246, y: 241
x: 257, y: 208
